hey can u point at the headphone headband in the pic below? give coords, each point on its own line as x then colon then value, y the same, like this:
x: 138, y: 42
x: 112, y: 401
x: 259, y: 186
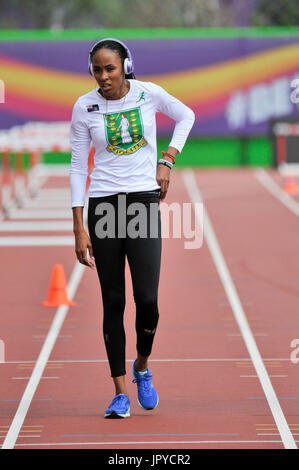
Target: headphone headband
x: 128, y: 62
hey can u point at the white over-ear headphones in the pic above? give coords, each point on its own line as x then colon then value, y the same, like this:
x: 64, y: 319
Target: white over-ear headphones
x: 128, y: 62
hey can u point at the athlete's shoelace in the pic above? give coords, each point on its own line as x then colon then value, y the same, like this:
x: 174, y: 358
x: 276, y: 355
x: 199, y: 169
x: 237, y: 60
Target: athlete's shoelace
x: 144, y: 381
x: 118, y: 399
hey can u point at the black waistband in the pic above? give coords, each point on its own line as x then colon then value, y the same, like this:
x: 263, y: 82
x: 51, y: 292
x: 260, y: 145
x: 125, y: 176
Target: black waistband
x: 141, y: 193
x: 149, y: 196
x: 133, y: 193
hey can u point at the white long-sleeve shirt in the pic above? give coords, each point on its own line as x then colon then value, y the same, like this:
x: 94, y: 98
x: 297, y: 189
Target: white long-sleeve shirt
x: 125, y: 158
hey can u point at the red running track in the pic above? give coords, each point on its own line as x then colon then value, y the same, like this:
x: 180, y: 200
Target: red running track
x: 210, y: 392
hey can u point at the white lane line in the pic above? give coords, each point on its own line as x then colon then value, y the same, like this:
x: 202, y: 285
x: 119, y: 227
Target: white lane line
x: 276, y: 191
x: 33, y: 435
x: 50, y: 195
x: 46, y: 198
x: 269, y: 376
x: 47, y: 204
x: 26, y: 378
x: 40, y: 214
x: 37, y: 241
x: 239, y: 314
x: 33, y: 226
x: 53, y: 169
x: 142, y: 442
x: 42, y: 360
x: 60, y: 336
x: 54, y: 191
x: 256, y: 334
x: 152, y: 360
x: 288, y: 169
x: 273, y: 434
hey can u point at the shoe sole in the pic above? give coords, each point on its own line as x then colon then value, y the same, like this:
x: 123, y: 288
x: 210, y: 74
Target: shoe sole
x: 137, y: 397
x: 148, y: 408
x: 114, y: 415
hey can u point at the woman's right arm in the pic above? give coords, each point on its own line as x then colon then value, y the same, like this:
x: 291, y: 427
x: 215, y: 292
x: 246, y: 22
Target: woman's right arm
x: 80, y: 140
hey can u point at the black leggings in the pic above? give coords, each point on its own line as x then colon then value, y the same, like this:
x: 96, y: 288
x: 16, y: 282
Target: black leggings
x: 144, y: 258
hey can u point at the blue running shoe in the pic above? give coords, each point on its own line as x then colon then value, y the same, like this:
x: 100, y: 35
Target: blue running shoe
x: 147, y: 395
x: 119, y: 407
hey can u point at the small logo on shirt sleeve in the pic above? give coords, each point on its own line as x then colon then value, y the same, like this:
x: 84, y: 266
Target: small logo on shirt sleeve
x: 92, y: 107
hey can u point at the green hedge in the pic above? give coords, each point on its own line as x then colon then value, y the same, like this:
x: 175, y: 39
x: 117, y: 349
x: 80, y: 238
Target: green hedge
x: 147, y: 33
x: 206, y: 152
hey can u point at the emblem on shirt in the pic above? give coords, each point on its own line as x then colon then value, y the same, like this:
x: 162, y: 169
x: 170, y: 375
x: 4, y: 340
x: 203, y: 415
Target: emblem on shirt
x: 124, y: 132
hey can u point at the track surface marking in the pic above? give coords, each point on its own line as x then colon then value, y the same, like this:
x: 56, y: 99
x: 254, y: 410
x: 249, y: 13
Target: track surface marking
x: 210, y: 391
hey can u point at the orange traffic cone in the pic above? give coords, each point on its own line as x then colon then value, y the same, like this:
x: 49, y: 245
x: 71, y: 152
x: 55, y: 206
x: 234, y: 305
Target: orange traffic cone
x: 58, y: 290
x: 290, y: 186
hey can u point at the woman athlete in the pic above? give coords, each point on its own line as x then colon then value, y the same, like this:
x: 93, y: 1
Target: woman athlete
x: 118, y: 116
